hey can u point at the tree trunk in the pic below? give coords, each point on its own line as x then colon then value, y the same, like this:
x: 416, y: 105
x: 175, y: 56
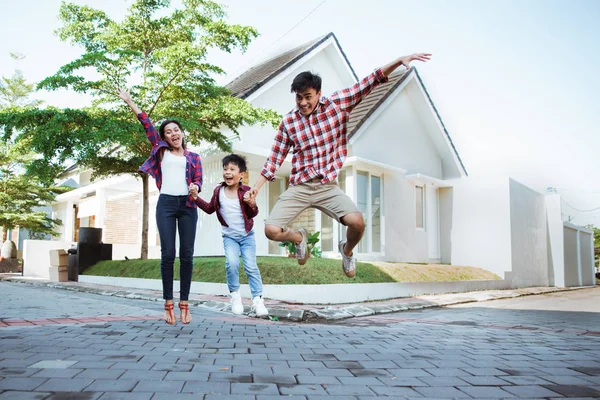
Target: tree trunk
x: 145, y: 206
x: 4, y: 234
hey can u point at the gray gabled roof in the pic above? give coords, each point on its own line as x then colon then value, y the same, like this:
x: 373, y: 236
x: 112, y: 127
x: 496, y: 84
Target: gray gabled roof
x: 257, y: 76
x: 379, y: 95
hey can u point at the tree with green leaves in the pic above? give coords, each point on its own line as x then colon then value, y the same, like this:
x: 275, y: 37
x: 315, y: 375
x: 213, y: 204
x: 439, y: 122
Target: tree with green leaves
x: 21, y: 193
x: 161, y: 55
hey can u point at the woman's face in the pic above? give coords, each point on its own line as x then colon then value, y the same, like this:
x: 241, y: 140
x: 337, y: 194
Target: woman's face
x: 173, y: 136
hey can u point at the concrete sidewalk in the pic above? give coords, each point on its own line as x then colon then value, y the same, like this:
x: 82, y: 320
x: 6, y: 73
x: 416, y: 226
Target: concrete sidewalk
x: 280, y: 310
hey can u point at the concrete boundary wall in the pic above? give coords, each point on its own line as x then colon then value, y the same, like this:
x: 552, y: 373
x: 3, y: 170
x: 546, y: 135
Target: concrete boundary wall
x: 315, y: 294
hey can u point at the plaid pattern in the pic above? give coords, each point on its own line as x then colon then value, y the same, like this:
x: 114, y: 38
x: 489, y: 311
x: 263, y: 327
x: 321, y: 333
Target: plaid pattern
x: 193, y: 169
x: 319, y: 140
x: 248, y: 212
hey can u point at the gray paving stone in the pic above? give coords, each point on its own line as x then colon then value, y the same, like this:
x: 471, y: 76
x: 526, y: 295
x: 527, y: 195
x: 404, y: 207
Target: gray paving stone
x: 57, y: 373
x: 254, y: 388
x: 13, y: 395
x: 573, y: 390
x: 141, y: 375
x: 306, y: 390
x: 21, y: 383
x: 484, y: 380
x: 277, y: 379
x: 112, y: 385
x: 530, y: 391
x: 206, y: 387
x: 180, y: 396
x: 17, y: 372
x: 159, y: 386
x: 351, y: 390
x: 63, y: 384
x: 74, y: 396
x: 132, y: 365
x: 526, y: 380
x: 53, y: 364
x: 317, y: 380
x: 129, y: 396
x: 447, y: 392
x: 187, y: 376
x: 443, y: 381
x: 481, y: 392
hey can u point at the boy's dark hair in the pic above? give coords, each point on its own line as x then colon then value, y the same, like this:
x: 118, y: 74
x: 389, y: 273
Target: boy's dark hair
x: 306, y: 80
x: 161, y: 131
x: 235, y: 159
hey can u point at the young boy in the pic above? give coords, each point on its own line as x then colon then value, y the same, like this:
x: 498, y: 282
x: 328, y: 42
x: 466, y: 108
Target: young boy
x: 316, y: 130
x: 236, y: 217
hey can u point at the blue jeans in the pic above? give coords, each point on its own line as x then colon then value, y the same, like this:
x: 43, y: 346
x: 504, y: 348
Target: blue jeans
x: 246, y: 246
x: 172, y: 214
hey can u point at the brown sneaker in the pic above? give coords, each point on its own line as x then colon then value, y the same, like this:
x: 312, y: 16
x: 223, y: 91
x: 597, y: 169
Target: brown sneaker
x: 302, y: 253
x: 348, y: 263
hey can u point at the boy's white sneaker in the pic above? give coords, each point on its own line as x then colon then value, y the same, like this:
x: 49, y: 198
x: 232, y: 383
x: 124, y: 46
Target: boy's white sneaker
x: 258, y: 306
x: 236, y: 303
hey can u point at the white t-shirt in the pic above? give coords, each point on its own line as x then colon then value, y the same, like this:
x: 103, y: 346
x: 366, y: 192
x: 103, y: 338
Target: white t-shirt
x: 231, y: 210
x: 173, y: 175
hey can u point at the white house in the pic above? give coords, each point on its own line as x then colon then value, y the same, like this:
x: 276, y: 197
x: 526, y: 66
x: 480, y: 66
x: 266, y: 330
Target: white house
x: 402, y: 170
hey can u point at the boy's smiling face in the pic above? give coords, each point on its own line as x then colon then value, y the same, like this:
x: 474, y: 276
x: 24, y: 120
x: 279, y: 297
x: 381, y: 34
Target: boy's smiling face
x: 232, y: 174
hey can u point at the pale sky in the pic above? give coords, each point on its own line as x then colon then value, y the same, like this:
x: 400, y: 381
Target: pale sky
x: 514, y: 81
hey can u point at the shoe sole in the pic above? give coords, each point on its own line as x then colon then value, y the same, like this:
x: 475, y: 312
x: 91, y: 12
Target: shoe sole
x: 302, y: 261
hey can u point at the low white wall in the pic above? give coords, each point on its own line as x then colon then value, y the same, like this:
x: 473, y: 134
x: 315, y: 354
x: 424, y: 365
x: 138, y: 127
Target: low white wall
x: 579, y: 256
x: 315, y: 294
x: 481, y: 234
x: 36, y: 256
x: 556, y: 252
x: 529, y: 237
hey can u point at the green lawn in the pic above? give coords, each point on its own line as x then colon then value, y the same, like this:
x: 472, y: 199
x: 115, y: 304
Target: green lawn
x: 286, y: 271
x: 274, y: 270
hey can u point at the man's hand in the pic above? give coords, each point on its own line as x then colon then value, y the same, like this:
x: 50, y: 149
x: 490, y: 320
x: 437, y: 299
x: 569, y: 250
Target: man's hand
x: 406, y: 60
x: 193, y: 188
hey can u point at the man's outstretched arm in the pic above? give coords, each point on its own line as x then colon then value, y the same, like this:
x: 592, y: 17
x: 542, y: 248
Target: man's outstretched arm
x: 404, y: 60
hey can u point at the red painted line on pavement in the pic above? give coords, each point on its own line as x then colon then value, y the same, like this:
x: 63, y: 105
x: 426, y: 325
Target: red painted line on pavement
x: 72, y: 321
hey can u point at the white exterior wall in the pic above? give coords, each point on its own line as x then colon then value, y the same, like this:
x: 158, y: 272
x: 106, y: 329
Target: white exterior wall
x: 481, y: 233
x: 403, y: 242
x: 528, y: 237
x: 556, y: 252
x: 397, y: 128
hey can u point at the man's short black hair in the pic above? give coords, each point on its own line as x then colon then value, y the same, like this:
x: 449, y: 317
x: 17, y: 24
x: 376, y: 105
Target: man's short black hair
x: 235, y: 159
x: 306, y: 80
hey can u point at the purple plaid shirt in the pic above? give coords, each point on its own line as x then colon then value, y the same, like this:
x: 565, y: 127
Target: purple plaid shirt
x: 193, y: 168
x: 319, y: 140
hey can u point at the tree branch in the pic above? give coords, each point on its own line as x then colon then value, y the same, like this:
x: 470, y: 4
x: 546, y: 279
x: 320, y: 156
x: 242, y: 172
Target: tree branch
x: 165, y: 88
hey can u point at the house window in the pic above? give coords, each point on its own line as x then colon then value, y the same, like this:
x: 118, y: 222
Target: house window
x: 369, y: 202
x: 420, y: 206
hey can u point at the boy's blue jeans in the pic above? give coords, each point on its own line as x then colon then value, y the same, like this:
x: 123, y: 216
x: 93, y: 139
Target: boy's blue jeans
x: 172, y: 214
x: 246, y: 246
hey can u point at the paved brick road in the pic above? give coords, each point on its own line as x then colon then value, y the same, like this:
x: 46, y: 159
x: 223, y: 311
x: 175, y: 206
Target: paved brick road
x: 460, y: 352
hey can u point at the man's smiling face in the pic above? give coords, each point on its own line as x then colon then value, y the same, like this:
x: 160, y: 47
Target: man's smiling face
x: 307, y: 101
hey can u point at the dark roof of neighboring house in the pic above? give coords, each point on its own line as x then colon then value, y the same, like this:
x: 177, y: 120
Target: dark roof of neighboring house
x: 257, y: 76
x: 371, y: 103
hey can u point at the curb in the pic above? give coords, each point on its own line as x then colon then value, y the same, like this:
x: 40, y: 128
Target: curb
x: 315, y: 313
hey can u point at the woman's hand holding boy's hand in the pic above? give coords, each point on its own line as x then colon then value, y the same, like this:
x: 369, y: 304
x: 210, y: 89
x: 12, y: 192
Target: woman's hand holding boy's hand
x: 248, y: 198
x: 193, y: 190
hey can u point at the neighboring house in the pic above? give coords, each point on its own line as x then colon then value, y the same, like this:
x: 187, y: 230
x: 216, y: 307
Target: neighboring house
x: 402, y: 170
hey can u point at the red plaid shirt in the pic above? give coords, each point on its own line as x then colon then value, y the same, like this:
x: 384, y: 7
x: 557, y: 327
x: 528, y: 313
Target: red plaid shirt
x: 319, y: 140
x: 193, y: 168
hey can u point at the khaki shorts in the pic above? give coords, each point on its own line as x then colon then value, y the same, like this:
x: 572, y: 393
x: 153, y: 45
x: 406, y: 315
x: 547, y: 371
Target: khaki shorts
x: 328, y: 198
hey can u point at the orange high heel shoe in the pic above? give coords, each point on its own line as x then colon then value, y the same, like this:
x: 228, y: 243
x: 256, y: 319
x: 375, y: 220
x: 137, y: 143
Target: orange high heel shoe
x: 170, y: 307
x: 184, y: 307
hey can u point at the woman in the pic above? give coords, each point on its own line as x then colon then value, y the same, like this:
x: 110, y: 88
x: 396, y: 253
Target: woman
x: 174, y: 169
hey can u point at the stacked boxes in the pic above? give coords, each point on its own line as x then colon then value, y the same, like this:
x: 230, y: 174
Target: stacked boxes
x: 59, y: 261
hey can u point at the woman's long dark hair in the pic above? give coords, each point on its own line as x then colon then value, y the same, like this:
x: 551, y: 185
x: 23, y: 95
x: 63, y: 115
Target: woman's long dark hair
x: 161, y: 131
